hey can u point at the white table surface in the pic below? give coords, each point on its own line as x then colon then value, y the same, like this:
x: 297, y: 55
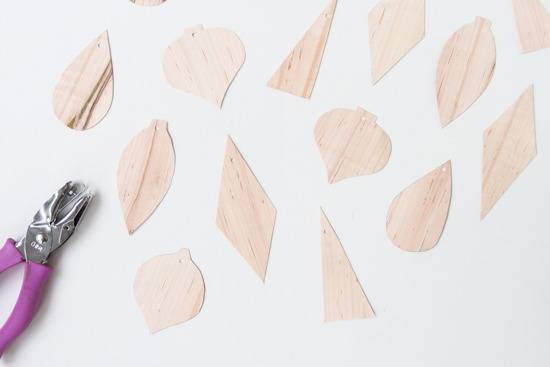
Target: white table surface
x: 480, y: 298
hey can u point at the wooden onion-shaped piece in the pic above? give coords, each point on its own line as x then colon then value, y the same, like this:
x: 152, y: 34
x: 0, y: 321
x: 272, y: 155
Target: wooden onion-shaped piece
x: 145, y: 172
x: 533, y: 23
x: 465, y: 68
x: 148, y: 2
x: 298, y: 72
x: 417, y: 215
x: 169, y: 290
x: 204, y: 62
x: 84, y: 93
x: 509, y: 145
x: 351, y: 143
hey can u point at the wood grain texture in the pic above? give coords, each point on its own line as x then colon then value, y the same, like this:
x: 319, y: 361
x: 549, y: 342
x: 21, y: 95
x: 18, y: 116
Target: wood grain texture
x: 465, y: 69
x: 395, y: 27
x: 343, y: 295
x: 351, y: 143
x: 148, y: 2
x: 246, y: 216
x: 204, y: 62
x: 298, y: 73
x: 417, y: 215
x: 509, y: 145
x: 84, y: 93
x: 169, y: 290
x: 145, y: 173
x: 533, y: 24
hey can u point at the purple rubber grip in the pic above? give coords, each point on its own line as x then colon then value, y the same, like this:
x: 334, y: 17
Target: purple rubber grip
x: 9, y: 255
x: 28, y: 301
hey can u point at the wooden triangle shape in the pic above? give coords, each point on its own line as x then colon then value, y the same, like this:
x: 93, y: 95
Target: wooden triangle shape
x: 297, y: 74
x: 509, y: 145
x: 533, y: 23
x: 344, y: 297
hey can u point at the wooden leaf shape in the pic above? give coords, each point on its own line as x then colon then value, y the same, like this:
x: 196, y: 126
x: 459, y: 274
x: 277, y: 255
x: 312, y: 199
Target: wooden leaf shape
x: 204, y: 62
x: 145, y: 172
x: 465, y: 69
x: 344, y: 297
x: 148, y: 2
x: 298, y: 73
x: 246, y: 216
x: 169, y: 290
x: 509, y: 145
x: 533, y: 24
x: 417, y: 215
x: 395, y: 27
x: 351, y: 143
x: 84, y: 94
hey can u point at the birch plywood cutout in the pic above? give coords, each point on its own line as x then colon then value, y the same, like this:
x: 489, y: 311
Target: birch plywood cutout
x: 344, y: 297
x: 169, y: 290
x: 84, y: 93
x: 297, y: 74
x: 351, y: 143
x: 533, y: 24
x: 148, y: 2
x: 246, y: 216
x: 395, y: 27
x: 204, y: 62
x: 465, y: 69
x: 417, y: 215
x: 509, y: 145
x: 145, y: 172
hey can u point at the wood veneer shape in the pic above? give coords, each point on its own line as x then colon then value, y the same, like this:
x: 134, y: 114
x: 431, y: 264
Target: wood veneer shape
x: 533, y: 24
x: 145, y: 173
x: 351, y: 143
x: 84, y: 93
x: 245, y: 215
x: 509, y: 145
x: 417, y: 215
x: 344, y: 297
x: 395, y: 27
x: 204, y: 62
x: 148, y: 2
x: 169, y: 290
x: 465, y: 68
x: 298, y: 73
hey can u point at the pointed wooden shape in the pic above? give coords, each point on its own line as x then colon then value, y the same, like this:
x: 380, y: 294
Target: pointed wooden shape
x: 169, y: 290
x: 465, y: 69
x: 84, y: 93
x: 148, y: 2
x: 246, y: 216
x: 344, y: 297
x: 533, y: 24
x: 395, y: 27
x: 351, y: 143
x: 145, y: 172
x: 204, y: 62
x: 417, y: 215
x: 509, y: 145
x: 297, y: 74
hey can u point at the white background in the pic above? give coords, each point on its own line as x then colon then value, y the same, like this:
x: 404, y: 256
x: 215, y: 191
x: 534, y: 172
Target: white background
x: 480, y: 298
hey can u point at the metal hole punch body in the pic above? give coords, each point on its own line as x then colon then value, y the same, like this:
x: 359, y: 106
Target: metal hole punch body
x: 51, y: 227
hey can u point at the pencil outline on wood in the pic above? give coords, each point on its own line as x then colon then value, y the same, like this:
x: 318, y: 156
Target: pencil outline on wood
x: 298, y: 72
x: 351, y: 143
x: 509, y: 145
x: 246, y: 215
x: 169, y: 290
x: 465, y: 69
x: 145, y: 172
x: 84, y: 93
x: 395, y: 28
x: 204, y: 62
x: 533, y: 25
x: 148, y: 2
x: 417, y: 215
x: 344, y: 297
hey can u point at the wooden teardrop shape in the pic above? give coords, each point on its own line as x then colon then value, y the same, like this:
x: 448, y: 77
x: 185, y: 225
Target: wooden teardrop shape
x: 84, y: 93
x: 533, y: 24
x: 417, y: 215
x: 148, y: 2
x: 351, y: 143
x: 145, y: 173
x: 465, y: 68
x: 169, y: 290
x: 204, y: 62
